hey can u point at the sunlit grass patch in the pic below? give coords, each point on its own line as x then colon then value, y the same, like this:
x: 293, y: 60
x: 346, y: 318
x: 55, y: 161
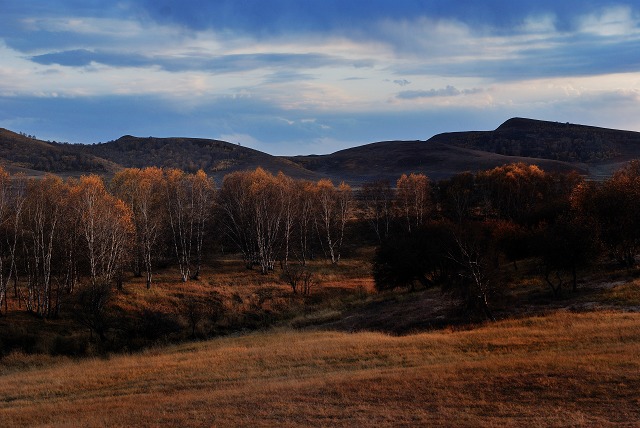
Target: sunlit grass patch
x: 565, y: 368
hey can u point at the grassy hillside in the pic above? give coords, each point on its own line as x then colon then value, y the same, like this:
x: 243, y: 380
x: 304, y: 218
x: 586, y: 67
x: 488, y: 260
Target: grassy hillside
x: 562, y: 141
x: 553, y: 146
x: 190, y: 154
x: 566, y: 369
x: 20, y: 153
x: 390, y: 159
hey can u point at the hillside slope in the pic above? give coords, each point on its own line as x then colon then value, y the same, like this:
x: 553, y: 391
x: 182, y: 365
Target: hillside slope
x: 594, y: 152
x: 190, y: 154
x: 20, y: 153
x: 553, y: 146
x: 390, y: 159
x: 564, y: 369
x: 560, y: 141
x: 601, y: 150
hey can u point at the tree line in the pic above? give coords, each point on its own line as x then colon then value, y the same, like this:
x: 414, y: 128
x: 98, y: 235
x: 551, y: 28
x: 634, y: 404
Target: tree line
x: 59, y: 235
x: 83, y: 236
x: 475, y: 223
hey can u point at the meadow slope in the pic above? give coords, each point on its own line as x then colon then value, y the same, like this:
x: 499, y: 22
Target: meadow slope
x: 564, y: 369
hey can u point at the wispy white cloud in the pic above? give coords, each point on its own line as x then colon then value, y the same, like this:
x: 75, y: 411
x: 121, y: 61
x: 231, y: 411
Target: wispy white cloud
x: 610, y: 22
x: 103, y: 27
x: 448, y: 91
x: 539, y: 24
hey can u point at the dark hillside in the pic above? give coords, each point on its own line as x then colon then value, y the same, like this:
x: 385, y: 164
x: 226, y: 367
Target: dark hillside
x: 549, y: 140
x: 595, y: 152
x: 390, y: 159
x: 191, y: 154
x: 22, y: 153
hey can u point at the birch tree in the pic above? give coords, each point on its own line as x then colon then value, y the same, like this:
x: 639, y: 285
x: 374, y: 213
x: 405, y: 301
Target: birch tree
x: 377, y: 206
x: 14, y: 233
x: 267, y: 202
x: 189, y: 201
x: 142, y: 190
x: 179, y: 204
x: 43, y: 215
x: 413, y: 199
x: 106, y: 226
x: 305, y: 212
x: 289, y: 195
x: 236, y: 214
x: 333, y: 210
x: 12, y: 194
x: 203, y: 204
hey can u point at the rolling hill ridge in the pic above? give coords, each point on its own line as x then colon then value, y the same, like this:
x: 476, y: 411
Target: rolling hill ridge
x: 594, y: 152
x: 591, y: 151
x: 191, y: 154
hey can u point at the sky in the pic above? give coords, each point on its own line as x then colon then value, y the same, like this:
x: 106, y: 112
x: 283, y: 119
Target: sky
x: 313, y: 76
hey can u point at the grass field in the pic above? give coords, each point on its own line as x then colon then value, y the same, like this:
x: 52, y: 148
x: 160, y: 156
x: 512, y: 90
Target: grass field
x: 568, y: 361
x: 564, y: 369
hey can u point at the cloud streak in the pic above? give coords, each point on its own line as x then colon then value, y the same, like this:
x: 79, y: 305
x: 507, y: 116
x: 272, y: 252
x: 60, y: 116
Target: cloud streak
x: 448, y: 91
x: 186, y: 62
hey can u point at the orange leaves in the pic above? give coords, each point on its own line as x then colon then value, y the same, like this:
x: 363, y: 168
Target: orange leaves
x: 106, y: 224
x: 4, y: 176
x: 96, y: 201
x: 333, y: 212
x: 414, y: 197
x: 514, y: 190
x: 516, y: 171
x: 169, y: 202
x: 344, y: 187
x: 262, y: 213
x: 325, y: 184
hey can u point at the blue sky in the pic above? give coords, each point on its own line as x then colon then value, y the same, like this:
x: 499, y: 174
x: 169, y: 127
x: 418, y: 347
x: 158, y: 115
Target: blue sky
x: 313, y: 76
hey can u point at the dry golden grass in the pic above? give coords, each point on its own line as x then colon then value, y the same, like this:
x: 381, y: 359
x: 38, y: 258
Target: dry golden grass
x: 229, y: 276
x: 231, y: 298
x: 626, y: 294
x: 565, y: 369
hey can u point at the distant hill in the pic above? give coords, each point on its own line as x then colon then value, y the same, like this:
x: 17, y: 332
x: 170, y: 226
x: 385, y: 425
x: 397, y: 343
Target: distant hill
x: 601, y: 150
x: 591, y: 151
x: 20, y: 153
x: 191, y: 154
x: 594, y: 152
x: 390, y: 159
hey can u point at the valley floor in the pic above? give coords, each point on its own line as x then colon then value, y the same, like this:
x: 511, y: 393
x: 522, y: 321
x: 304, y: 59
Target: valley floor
x: 560, y: 369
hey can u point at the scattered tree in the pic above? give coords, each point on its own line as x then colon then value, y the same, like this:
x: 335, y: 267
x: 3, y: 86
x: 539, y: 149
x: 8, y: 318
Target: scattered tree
x: 333, y: 212
x: 377, y: 197
x: 413, y: 199
x: 106, y: 226
x: 142, y: 190
x: 43, y: 215
x: 614, y: 207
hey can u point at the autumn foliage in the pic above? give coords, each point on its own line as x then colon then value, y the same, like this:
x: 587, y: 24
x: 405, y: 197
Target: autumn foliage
x: 471, y: 223
x: 66, y: 238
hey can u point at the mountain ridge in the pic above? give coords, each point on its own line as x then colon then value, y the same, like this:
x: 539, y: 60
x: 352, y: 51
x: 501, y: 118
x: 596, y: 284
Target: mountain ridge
x: 554, y: 146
